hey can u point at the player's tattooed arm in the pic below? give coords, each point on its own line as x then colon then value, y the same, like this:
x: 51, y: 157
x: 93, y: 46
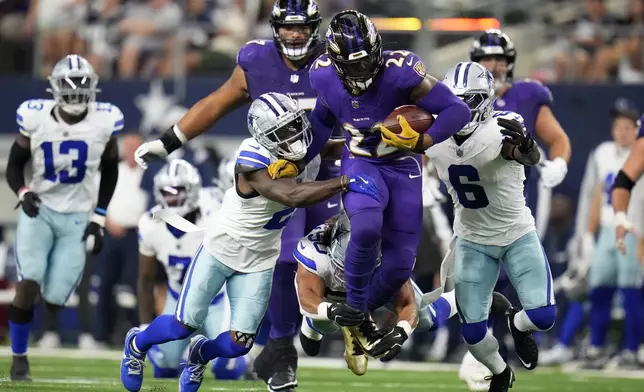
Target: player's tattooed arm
x: 310, y: 290
x: 145, y: 288
x: 290, y: 194
x: 18, y: 158
x: 405, y: 305
x: 205, y: 113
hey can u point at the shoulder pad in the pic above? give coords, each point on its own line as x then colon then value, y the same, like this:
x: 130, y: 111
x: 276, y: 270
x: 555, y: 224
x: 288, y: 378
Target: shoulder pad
x: 539, y: 91
x: 247, y: 56
x: 404, y: 68
x: 29, y: 113
x: 114, y: 114
x: 252, y: 155
x: 311, y: 255
x: 146, y: 223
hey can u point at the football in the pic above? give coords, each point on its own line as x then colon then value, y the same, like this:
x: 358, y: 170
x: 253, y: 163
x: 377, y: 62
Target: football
x: 417, y: 118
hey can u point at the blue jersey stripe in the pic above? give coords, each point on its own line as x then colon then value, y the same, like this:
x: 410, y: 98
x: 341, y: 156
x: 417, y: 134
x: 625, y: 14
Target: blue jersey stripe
x: 248, y: 162
x: 308, y: 263
x: 255, y: 156
x: 19, y: 118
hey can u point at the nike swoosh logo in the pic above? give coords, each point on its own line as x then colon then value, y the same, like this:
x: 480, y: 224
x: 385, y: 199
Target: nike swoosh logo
x: 332, y: 205
x: 526, y: 365
x: 363, y: 180
x: 255, y: 147
x: 411, y: 60
x: 412, y: 176
x: 301, y: 245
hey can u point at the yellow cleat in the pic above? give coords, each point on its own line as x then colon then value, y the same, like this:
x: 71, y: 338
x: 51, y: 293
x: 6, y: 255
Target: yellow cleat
x: 366, y: 334
x: 354, y: 356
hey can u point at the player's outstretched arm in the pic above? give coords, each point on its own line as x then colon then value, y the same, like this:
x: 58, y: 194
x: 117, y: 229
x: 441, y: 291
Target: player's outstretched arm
x: 145, y: 288
x: 285, y: 191
x: 553, y: 135
x: 518, y: 145
x: 436, y: 98
x: 201, y: 116
x: 310, y: 293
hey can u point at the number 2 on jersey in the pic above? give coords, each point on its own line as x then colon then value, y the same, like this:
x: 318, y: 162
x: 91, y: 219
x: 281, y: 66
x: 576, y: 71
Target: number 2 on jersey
x: 180, y: 264
x: 608, y: 188
x: 67, y: 147
x: 279, y: 219
x: 471, y: 196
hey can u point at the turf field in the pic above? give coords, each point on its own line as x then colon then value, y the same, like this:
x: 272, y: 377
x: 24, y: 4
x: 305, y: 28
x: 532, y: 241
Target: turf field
x: 72, y: 370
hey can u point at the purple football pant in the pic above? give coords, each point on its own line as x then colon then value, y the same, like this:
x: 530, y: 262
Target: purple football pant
x: 283, y: 307
x: 396, y: 220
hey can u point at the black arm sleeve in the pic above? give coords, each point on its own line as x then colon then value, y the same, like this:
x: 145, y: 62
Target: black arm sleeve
x: 109, y: 173
x: 18, y: 158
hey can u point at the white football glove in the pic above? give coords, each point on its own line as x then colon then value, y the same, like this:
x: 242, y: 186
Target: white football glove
x: 553, y: 172
x: 149, y: 152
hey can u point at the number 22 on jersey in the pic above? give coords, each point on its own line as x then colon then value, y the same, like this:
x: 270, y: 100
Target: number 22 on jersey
x: 54, y: 151
x: 471, y: 196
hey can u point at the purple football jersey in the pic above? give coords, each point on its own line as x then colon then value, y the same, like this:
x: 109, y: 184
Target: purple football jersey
x: 641, y: 124
x: 359, y: 116
x: 526, y: 98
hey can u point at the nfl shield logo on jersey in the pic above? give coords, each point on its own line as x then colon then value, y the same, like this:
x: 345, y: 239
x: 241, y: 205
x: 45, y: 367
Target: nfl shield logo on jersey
x: 295, y: 78
x: 355, y: 104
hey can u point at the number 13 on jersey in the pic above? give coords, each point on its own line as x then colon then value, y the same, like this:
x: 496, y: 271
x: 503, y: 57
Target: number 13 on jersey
x: 53, y: 153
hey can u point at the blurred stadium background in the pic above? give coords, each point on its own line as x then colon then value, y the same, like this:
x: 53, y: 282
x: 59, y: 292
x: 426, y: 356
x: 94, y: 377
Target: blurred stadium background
x: 589, y: 52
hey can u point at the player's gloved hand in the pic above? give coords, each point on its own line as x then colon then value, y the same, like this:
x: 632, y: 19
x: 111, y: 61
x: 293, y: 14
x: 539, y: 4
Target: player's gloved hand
x: 361, y: 183
x: 390, y: 345
x: 553, y: 172
x: 344, y: 315
x: 407, y: 139
x: 516, y: 135
x: 169, y: 141
x: 94, y: 232
x: 30, y: 202
x: 283, y: 168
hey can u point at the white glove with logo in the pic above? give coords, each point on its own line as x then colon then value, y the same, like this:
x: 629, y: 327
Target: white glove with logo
x: 149, y: 152
x: 553, y: 172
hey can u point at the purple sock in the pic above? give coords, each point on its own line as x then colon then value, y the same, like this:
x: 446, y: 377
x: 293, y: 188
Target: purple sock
x: 601, y: 300
x: 571, y: 323
x: 162, y: 329
x: 222, y: 347
x: 632, y: 318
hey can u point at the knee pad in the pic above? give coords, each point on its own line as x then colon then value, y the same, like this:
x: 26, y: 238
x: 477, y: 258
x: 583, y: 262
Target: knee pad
x: 229, y: 368
x: 474, y: 333
x: 19, y: 315
x: 53, y: 307
x: 543, y: 318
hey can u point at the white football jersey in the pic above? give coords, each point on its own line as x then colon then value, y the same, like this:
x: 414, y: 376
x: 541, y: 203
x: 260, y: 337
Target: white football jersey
x: 65, y: 158
x: 246, y: 236
x: 312, y: 254
x: 173, y: 248
x: 608, y: 160
x: 487, y: 190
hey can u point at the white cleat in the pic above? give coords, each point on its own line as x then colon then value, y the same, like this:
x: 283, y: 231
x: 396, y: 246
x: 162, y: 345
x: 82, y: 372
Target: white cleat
x: 474, y: 373
x: 558, y: 355
x: 354, y: 356
x: 49, y: 340
x: 87, y: 342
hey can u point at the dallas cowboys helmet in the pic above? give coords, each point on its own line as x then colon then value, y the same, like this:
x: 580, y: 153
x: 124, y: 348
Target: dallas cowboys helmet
x: 296, y: 13
x: 340, y: 236
x: 278, y: 125
x: 177, y: 186
x: 474, y: 84
x: 73, y: 84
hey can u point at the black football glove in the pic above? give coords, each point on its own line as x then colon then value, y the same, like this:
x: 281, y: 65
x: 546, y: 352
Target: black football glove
x: 390, y: 345
x: 516, y: 135
x: 30, y: 203
x: 94, y: 232
x: 344, y: 315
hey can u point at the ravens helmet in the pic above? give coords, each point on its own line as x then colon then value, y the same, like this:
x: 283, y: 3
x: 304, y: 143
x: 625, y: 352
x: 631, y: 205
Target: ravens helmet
x: 355, y: 49
x: 493, y: 43
x: 296, y: 13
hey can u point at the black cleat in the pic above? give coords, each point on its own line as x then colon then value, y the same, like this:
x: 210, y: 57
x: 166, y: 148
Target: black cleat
x: 524, y: 342
x: 311, y: 347
x: 20, y: 368
x: 500, y: 304
x: 503, y: 381
x: 283, y: 380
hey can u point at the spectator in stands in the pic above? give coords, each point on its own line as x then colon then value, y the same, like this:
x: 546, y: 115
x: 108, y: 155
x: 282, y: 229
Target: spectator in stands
x: 100, y: 35
x: 56, y: 23
x: 118, y: 261
x: 146, y: 28
x: 16, y: 48
x: 625, y: 56
x: 591, y: 32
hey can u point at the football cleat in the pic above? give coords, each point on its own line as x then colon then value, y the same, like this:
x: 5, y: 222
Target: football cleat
x: 524, y: 342
x: 283, y: 380
x: 310, y: 346
x: 132, y: 364
x: 192, y: 374
x: 502, y: 382
x: 354, y: 355
x: 557, y: 355
x: 20, y: 368
x: 366, y: 334
x: 474, y: 373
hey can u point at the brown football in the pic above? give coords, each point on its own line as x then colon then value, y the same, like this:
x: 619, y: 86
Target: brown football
x: 417, y: 118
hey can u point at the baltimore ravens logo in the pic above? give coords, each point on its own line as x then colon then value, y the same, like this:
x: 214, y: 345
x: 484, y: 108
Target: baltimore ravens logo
x: 419, y: 67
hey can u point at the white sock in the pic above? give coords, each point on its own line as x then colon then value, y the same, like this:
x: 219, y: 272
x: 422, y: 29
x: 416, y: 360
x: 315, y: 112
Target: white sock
x: 487, y: 352
x: 136, y: 349
x: 523, y: 323
x: 450, y: 297
x: 310, y: 332
x: 255, y: 350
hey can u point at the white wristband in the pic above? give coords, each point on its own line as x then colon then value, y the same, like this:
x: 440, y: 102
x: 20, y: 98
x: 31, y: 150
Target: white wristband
x: 179, y: 134
x: 404, y: 324
x: 323, y: 308
x: 22, y: 191
x: 622, y: 220
x: 98, y: 219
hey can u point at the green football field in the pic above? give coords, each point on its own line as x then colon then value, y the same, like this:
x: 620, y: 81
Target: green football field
x: 53, y: 374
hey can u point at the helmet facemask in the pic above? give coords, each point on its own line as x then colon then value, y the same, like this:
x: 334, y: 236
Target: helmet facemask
x: 481, y: 108
x: 74, y: 91
x: 296, y: 49
x: 289, y: 138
